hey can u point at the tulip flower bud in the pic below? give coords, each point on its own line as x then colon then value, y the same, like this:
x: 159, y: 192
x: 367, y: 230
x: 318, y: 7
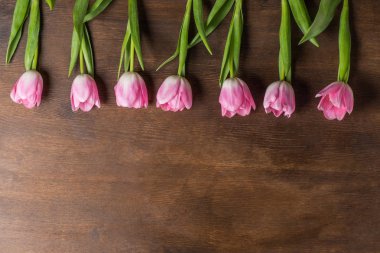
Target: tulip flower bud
x: 236, y: 98
x: 337, y: 99
x: 280, y: 99
x: 84, y: 93
x: 175, y: 94
x: 28, y: 89
x: 131, y: 91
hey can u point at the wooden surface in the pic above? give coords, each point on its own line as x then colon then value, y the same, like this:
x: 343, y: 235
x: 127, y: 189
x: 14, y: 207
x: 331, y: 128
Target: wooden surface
x: 117, y: 180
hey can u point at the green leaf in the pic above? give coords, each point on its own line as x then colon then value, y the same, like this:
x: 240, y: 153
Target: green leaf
x: 217, y: 14
x: 285, y: 58
x: 344, y: 44
x: 231, y: 57
x: 13, y: 45
x: 19, y: 16
x: 98, y: 7
x: 184, y: 39
x: 302, y: 17
x: 226, y: 66
x: 75, y: 48
x: 198, y: 18
x: 226, y: 56
x: 126, y: 43
x: 170, y: 59
x: 87, y: 52
x: 80, y: 10
x: 127, y: 56
x: 324, y: 17
x: 237, y: 35
x: 51, y: 3
x: 135, y: 29
x: 33, y: 34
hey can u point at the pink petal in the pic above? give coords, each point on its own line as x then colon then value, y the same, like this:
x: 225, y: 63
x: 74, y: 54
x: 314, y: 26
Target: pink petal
x: 348, y: 99
x: 176, y: 104
x: 186, y: 93
x: 330, y: 88
x: 231, y: 96
x: 336, y: 96
x: 271, y: 94
x: 247, y: 94
x: 340, y: 113
x: 168, y: 89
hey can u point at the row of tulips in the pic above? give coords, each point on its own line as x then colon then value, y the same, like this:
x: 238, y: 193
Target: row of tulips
x: 175, y: 94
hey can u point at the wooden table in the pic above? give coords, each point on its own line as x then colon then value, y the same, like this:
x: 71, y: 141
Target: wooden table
x: 117, y: 180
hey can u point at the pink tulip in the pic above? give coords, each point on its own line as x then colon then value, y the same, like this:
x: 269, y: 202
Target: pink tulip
x: 175, y: 94
x: 84, y: 93
x: 28, y: 89
x: 280, y: 99
x: 236, y: 98
x: 337, y: 100
x: 131, y: 91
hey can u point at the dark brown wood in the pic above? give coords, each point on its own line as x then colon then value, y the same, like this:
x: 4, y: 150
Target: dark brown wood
x: 117, y: 180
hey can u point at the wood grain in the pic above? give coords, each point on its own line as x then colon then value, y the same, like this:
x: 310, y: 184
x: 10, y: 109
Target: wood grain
x: 117, y: 180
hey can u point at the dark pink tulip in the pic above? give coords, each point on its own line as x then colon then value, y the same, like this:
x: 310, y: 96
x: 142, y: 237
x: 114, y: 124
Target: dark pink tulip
x: 280, y: 99
x: 131, y: 91
x: 236, y: 98
x: 337, y: 100
x: 175, y: 94
x: 28, y: 89
x: 84, y: 93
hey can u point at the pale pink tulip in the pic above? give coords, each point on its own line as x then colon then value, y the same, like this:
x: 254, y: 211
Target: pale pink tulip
x: 337, y: 100
x: 236, y: 98
x: 84, y: 93
x: 175, y: 94
x: 28, y: 89
x: 131, y: 91
x: 280, y: 99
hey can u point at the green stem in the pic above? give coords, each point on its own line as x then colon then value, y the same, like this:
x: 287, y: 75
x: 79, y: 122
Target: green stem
x: 35, y: 60
x: 344, y: 44
x: 132, y: 57
x: 231, y: 63
x: 285, y: 58
x: 81, y: 61
x: 184, y: 39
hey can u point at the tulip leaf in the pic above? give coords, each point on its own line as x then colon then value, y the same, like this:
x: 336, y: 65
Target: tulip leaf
x: 285, y: 58
x: 170, y: 59
x: 75, y: 49
x: 51, y: 3
x: 127, y: 55
x: 344, y: 44
x: 19, y: 16
x: 135, y: 29
x: 322, y: 20
x: 126, y: 44
x: 184, y: 39
x: 198, y: 18
x: 302, y: 17
x: 80, y: 10
x: 231, y: 56
x: 96, y: 8
x: 13, y: 46
x: 33, y: 34
x: 227, y: 51
x: 87, y: 52
x: 237, y: 35
x: 217, y: 14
